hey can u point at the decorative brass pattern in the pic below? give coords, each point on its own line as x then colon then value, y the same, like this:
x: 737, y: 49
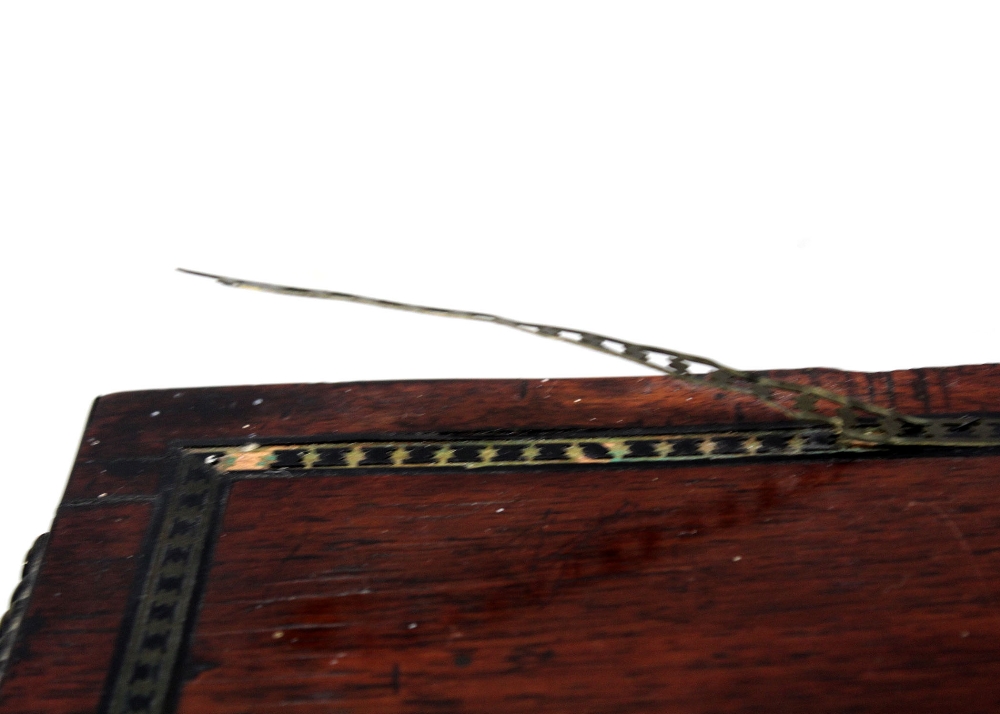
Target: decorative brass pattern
x: 154, y: 644
x: 154, y: 647
x: 851, y: 419
x: 477, y: 453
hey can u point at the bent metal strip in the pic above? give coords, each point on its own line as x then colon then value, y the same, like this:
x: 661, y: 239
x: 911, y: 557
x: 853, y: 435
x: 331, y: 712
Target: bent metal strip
x: 854, y: 421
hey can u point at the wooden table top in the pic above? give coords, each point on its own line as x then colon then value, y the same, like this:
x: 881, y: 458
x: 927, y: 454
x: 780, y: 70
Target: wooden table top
x: 598, y: 545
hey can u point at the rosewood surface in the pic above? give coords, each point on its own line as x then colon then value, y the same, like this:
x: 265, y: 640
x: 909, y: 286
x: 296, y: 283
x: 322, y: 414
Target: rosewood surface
x: 835, y: 583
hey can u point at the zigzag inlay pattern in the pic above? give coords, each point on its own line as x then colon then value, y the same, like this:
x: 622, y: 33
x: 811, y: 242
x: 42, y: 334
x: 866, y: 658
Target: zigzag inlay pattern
x: 476, y: 453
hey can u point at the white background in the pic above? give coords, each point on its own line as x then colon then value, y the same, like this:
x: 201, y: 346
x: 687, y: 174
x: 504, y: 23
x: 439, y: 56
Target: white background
x: 771, y: 184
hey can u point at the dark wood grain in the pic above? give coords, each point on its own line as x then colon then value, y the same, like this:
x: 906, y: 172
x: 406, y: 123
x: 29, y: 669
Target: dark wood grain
x: 68, y: 637
x: 122, y: 449
x: 867, y: 587
x: 855, y: 584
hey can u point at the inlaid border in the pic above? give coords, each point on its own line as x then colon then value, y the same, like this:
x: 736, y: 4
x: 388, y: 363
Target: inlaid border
x: 146, y: 681
x: 526, y: 451
x: 153, y: 650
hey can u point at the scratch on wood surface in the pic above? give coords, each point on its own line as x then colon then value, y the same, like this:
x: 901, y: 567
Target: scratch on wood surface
x: 963, y: 542
x: 959, y: 536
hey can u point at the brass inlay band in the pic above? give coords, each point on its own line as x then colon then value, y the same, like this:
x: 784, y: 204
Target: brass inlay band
x: 481, y: 453
x: 154, y: 646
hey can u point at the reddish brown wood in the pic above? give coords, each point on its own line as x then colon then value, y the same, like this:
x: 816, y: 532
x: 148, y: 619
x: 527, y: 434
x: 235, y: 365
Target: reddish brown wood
x: 825, y: 587
x: 811, y: 585
x: 122, y: 435
x: 76, y: 610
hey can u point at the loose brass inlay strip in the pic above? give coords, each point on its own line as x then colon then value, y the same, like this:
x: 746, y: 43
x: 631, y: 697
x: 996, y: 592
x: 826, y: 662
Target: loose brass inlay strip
x: 851, y: 418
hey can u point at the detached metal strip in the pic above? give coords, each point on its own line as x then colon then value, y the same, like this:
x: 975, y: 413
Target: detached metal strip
x: 853, y: 420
